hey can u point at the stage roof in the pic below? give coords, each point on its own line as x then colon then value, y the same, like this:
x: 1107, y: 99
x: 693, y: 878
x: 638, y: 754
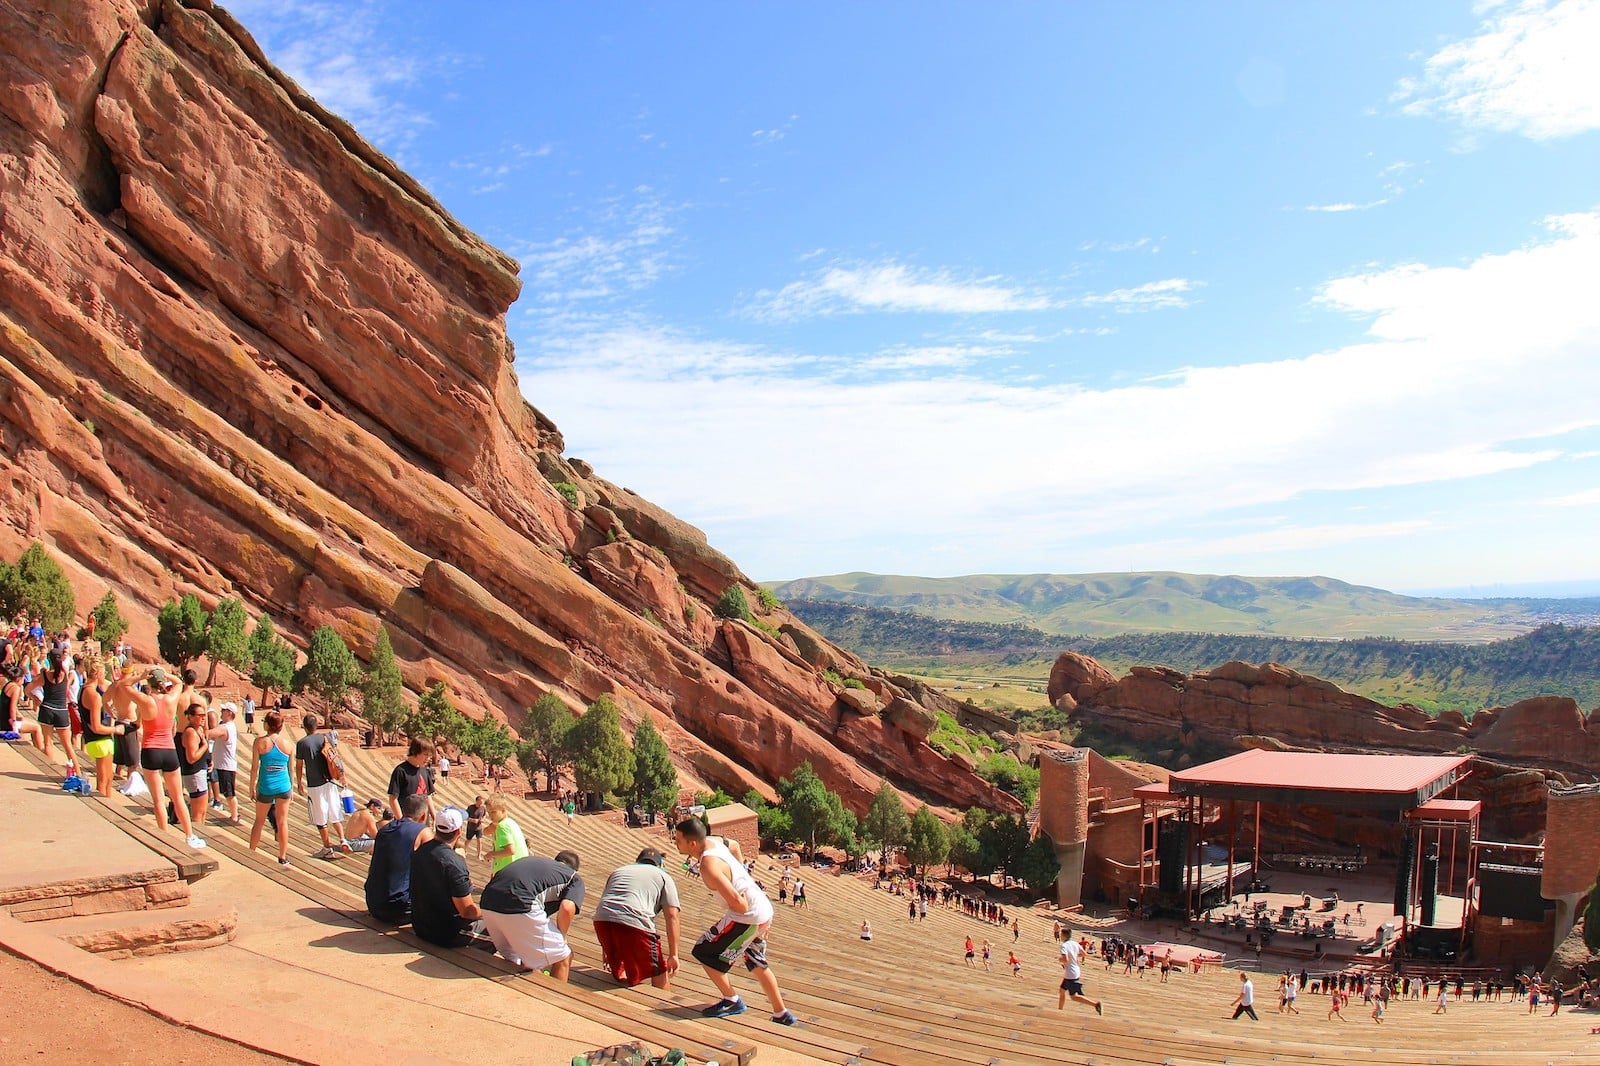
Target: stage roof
x: 1370, y: 782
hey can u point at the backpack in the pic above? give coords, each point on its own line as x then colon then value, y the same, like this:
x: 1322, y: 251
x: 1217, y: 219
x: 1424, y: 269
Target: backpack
x: 330, y: 757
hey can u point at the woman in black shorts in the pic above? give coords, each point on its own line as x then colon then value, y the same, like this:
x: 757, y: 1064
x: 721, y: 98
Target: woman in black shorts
x: 54, y: 718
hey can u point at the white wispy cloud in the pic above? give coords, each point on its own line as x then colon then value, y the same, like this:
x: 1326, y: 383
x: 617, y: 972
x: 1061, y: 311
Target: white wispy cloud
x: 1530, y: 69
x: 1464, y: 371
x: 892, y: 286
x: 624, y: 248
x: 338, y: 52
x: 1340, y: 208
x: 1151, y: 296
x: 775, y: 133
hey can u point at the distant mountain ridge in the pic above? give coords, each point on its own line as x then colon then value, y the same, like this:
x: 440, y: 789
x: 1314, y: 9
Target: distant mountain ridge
x: 1168, y: 601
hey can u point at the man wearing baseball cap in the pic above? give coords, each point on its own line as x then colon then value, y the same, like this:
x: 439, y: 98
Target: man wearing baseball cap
x: 442, y: 911
x: 624, y: 921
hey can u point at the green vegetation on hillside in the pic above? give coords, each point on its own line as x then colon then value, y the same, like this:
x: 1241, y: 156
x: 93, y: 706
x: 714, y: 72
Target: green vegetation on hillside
x: 1107, y: 604
x: 1554, y: 659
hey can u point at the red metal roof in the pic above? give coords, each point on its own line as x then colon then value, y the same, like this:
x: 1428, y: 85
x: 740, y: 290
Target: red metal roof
x: 1302, y: 771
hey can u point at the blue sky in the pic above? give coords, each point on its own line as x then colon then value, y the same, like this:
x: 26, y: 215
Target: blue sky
x: 928, y: 288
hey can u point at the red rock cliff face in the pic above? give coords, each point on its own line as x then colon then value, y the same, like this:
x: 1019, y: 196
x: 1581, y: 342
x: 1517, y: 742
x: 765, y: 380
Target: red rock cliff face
x: 1240, y: 700
x: 241, y: 353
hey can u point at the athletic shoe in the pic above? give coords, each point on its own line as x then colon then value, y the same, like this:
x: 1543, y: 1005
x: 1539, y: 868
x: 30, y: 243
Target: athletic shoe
x: 786, y: 1018
x: 322, y: 853
x: 196, y: 843
x: 1100, y: 1008
x: 724, y: 1008
x: 283, y: 862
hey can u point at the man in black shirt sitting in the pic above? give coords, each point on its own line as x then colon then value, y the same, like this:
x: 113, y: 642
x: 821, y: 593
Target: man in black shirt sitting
x: 442, y: 911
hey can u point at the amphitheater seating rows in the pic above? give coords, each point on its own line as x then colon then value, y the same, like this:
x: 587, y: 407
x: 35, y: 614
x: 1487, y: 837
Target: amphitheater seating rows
x: 906, y: 997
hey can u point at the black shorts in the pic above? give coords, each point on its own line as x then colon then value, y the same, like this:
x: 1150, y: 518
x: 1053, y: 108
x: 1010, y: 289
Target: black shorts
x: 1072, y: 986
x: 160, y: 760
x: 727, y: 942
x: 55, y: 717
x: 474, y: 831
x: 226, y: 782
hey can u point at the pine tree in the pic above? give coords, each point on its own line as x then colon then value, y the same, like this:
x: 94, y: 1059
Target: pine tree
x: 655, y: 779
x: 601, y: 761
x: 927, y: 842
x: 273, y: 659
x: 226, y: 639
x: 436, y: 718
x: 886, y: 824
x: 383, y: 690
x: 1038, y: 865
x: 109, y: 625
x: 544, y: 733
x: 330, y: 667
x: 818, y: 815
x: 489, y: 740
x: 181, y: 630
x: 37, y: 586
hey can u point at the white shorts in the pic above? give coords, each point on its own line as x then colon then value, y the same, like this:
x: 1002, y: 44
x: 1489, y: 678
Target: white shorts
x: 324, y: 804
x: 528, y: 940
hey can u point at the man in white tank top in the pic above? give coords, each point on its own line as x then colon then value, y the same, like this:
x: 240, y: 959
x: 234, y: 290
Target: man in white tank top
x: 741, y: 933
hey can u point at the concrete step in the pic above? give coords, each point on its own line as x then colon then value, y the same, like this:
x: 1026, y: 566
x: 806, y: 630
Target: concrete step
x: 156, y: 888
x: 118, y: 936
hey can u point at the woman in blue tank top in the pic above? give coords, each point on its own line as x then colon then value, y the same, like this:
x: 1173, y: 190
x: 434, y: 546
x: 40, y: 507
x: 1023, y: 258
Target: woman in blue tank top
x: 271, y: 776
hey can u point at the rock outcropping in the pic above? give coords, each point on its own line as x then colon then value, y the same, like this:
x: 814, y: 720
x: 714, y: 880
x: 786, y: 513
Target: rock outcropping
x: 242, y: 353
x: 1240, y: 700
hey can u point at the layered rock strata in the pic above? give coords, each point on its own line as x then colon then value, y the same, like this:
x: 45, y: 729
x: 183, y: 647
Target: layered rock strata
x: 242, y: 353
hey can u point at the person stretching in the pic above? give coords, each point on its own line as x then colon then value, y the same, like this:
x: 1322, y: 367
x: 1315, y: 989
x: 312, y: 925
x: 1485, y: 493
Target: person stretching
x: 158, y: 754
x: 741, y: 932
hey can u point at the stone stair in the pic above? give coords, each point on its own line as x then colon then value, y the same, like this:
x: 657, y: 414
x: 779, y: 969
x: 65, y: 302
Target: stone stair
x: 104, y: 881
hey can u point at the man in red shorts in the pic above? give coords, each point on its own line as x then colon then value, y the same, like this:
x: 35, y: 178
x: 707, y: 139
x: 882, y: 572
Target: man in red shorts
x: 624, y: 921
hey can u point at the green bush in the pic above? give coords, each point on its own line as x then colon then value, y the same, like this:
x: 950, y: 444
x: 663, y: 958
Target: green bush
x: 854, y: 682
x: 768, y: 601
x: 732, y: 604
x: 948, y: 736
x: 568, y: 491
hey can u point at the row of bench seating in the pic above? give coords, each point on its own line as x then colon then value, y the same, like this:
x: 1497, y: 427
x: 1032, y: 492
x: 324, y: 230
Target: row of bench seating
x: 906, y: 997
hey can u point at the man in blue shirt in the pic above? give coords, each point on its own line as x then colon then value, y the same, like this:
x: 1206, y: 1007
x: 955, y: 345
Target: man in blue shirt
x: 388, y: 886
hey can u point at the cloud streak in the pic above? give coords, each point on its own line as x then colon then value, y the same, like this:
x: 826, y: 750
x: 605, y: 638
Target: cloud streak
x: 894, y: 287
x: 336, y: 52
x: 1530, y: 69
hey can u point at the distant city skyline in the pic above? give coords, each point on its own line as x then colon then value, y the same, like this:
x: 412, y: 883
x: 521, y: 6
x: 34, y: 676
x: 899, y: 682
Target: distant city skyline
x: 1249, y: 288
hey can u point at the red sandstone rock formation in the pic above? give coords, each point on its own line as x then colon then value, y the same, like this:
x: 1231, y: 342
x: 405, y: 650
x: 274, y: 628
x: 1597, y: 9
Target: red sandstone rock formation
x: 1238, y: 700
x: 242, y: 353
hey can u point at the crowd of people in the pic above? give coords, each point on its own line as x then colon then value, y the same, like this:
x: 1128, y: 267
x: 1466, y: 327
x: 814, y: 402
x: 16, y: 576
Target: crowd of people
x: 419, y: 876
x: 140, y: 724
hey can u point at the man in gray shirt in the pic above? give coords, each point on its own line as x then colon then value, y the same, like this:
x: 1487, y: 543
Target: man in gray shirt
x: 624, y: 921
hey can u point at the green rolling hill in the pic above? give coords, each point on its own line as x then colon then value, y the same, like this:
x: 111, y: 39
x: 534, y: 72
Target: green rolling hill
x: 1108, y: 604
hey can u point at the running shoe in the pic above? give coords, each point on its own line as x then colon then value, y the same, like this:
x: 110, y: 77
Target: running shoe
x: 786, y: 1018
x: 724, y: 1008
x: 196, y: 843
